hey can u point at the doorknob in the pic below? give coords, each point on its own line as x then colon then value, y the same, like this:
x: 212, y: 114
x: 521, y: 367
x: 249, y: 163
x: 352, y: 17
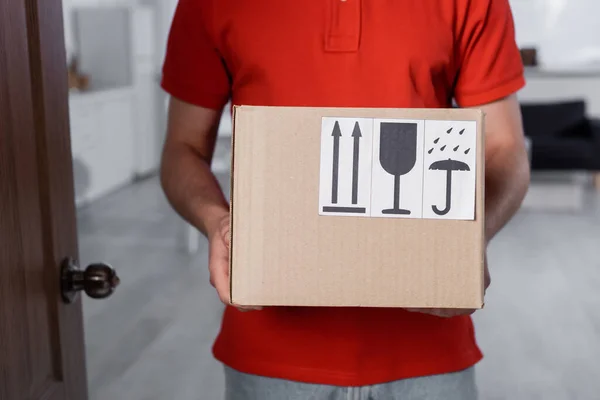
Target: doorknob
x: 98, y: 281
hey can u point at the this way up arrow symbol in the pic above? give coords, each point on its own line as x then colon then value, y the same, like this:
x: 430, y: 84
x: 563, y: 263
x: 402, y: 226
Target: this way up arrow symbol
x: 335, y: 161
x: 356, y: 134
x: 337, y: 133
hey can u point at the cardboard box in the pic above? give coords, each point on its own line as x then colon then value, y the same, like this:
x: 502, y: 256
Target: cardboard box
x: 320, y: 200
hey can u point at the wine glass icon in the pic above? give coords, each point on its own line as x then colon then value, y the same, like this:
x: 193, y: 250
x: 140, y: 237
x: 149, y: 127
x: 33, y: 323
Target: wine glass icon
x: 397, y: 155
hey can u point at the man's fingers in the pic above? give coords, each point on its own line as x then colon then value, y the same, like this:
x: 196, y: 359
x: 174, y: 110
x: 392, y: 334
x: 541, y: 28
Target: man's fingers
x: 219, y: 269
x: 429, y: 311
x: 219, y: 276
x: 224, y: 232
x: 220, y: 280
x: 222, y: 286
x: 248, y: 308
x: 442, y: 312
x: 486, y: 277
x: 219, y: 266
x: 226, y: 237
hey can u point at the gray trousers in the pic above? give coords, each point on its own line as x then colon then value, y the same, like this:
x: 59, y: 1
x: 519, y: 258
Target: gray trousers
x: 453, y: 386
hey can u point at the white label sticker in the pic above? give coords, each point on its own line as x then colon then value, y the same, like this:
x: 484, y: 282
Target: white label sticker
x: 397, y: 176
x: 398, y: 168
x: 450, y: 165
x: 345, y: 178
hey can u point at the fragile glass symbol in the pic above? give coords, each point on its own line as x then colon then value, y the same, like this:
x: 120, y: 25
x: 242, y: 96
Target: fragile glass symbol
x: 397, y: 155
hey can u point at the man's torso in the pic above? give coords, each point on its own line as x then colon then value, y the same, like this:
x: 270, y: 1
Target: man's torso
x: 343, y: 53
x: 384, y: 53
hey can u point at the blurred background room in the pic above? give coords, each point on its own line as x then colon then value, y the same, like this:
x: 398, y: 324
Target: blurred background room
x: 151, y: 340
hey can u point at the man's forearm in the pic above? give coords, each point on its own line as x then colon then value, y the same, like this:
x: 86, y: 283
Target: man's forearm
x: 192, y: 189
x: 506, y: 183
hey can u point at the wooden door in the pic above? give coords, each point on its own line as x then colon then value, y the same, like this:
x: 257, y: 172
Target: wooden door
x: 41, y: 338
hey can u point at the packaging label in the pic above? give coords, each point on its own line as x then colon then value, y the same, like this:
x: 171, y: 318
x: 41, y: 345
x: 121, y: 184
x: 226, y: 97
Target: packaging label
x: 398, y: 168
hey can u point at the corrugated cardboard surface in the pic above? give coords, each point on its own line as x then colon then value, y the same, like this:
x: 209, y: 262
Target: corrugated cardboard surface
x: 284, y: 253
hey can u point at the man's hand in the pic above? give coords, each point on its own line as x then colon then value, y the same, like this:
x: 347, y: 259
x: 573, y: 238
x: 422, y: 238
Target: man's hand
x: 506, y: 175
x: 218, y: 261
x: 455, y: 312
x: 191, y: 187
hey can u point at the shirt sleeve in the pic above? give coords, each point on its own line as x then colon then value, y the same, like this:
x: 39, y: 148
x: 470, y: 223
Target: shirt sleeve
x: 193, y: 69
x: 489, y: 61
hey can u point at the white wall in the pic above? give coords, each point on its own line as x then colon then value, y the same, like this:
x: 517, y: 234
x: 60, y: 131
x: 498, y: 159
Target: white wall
x: 164, y: 12
x: 127, y: 37
x: 566, y: 32
x: 68, y: 18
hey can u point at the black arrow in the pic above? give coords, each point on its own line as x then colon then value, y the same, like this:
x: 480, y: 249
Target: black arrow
x: 356, y: 135
x: 337, y: 133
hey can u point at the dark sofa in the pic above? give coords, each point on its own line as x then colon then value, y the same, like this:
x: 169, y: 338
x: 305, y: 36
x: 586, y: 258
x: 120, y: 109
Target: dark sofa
x: 562, y: 136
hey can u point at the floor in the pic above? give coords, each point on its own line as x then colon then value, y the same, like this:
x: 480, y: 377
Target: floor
x: 151, y: 340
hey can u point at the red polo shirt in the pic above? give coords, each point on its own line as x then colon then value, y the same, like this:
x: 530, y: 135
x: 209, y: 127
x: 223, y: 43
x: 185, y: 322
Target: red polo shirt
x: 343, y: 53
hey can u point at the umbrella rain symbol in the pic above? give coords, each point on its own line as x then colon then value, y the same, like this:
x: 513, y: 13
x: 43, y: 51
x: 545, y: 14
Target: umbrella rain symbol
x: 449, y: 166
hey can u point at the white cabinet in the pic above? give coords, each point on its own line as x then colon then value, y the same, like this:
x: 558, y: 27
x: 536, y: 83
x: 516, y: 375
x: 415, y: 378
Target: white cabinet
x: 149, y: 136
x: 102, y: 142
x: 148, y: 124
x: 117, y: 128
